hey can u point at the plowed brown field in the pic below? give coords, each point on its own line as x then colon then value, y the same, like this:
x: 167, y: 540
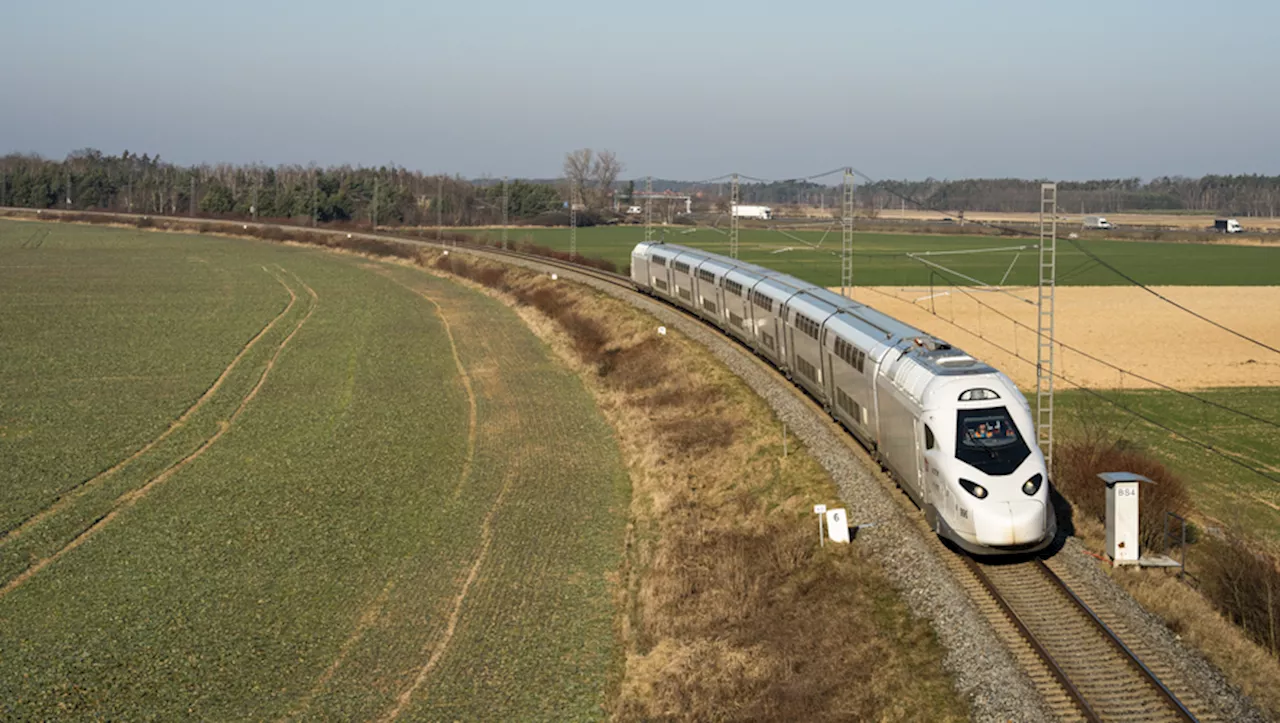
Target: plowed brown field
x: 1124, y: 326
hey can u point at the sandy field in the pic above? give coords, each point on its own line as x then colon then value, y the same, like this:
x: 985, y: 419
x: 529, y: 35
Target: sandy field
x: 1125, y: 326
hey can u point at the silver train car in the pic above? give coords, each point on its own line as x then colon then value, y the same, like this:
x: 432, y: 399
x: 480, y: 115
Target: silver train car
x: 955, y: 433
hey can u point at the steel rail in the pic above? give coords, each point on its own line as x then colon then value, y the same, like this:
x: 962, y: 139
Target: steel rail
x: 1058, y: 673
x: 1115, y: 640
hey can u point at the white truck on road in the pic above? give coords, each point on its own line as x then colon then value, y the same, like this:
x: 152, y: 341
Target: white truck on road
x: 1227, y: 225
x: 763, y: 213
x: 1097, y: 222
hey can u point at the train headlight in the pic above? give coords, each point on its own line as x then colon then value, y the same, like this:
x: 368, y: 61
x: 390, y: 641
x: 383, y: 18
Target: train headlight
x: 1032, y: 486
x: 974, y: 488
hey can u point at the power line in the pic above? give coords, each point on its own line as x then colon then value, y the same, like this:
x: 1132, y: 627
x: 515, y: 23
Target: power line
x: 1113, y: 366
x: 1094, y: 393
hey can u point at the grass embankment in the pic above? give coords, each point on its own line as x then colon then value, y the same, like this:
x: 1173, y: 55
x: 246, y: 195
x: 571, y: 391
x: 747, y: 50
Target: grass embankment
x: 731, y: 610
x: 1226, y: 495
x: 1232, y: 613
x: 336, y: 531
x: 879, y: 258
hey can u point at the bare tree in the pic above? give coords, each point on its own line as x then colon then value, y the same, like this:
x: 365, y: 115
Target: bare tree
x: 605, y: 172
x: 578, y: 171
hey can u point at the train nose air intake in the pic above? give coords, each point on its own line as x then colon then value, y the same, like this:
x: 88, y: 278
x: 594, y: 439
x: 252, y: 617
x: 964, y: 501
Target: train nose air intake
x: 1019, y: 522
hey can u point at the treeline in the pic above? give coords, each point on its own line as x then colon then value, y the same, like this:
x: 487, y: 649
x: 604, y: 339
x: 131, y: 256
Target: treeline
x: 128, y: 183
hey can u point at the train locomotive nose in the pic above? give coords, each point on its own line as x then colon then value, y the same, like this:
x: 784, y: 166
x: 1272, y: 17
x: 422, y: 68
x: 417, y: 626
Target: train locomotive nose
x: 1020, y: 522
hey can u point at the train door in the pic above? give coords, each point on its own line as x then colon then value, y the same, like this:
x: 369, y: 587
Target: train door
x: 919, y: 482
x: 779, y: 330
x: 931, y: 459
x: 789, y: 344
x: 828, y: 372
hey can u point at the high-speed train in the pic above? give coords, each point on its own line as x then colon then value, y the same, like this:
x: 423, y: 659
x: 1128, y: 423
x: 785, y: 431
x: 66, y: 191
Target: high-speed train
x: 955, y: 433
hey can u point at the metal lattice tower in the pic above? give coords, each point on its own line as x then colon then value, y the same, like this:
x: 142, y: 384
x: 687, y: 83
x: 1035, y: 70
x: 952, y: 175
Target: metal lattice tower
x: 846, y: 237
x: 733, y: 218
x: 505, y: 205
x: 573, y: 220
x: 648, y: 209
x: 1044, y: 316
x: 439, y: 208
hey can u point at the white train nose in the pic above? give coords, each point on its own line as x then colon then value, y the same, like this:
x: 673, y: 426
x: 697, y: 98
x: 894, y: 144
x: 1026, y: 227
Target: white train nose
x: 1009, y: 523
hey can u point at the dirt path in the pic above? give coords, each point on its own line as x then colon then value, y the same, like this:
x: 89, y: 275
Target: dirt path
x: 1121, y: 325
x: 132, y: 497
x: 79, y: 490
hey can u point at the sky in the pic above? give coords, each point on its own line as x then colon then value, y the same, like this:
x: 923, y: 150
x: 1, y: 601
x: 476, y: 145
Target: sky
x: 687, y: 90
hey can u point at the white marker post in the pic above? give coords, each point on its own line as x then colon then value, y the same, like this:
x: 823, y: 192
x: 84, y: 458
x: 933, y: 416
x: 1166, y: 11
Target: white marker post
x: 555, y: 277
x: 662, y: 331
x: 821, y: 510
x: 838, y: 526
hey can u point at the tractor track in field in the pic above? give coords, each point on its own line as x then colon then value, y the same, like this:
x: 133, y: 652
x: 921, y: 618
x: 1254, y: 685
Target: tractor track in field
x: 77, y: 491
x: 132, y: 497
x: 441, y: 646
x: 472, y: 413
x: 455, y: 614
x: 367, y: 618
x: 371, y: 612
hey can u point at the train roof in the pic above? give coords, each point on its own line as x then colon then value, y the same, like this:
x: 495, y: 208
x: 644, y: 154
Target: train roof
x: 929, y: 351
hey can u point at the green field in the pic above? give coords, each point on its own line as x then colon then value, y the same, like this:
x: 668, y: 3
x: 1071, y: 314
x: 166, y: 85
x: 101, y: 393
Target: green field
x: 343, y: 525
x: 1227, y: 493
x: 880, y: 258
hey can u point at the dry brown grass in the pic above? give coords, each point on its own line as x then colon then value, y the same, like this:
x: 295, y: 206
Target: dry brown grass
x: 1193, y: 618
x: 1078, y: 461
x: 730, y: 610
x: 1233, y: 617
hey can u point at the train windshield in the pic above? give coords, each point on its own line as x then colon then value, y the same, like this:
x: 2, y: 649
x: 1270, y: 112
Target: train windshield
x: 989, y: 440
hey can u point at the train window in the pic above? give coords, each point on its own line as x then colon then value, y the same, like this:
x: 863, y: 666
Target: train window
x: 989, y: 440
x: 804, y: 367
x: 681, y: 267
x: 929, y: 441
x: 684, y: 294
x: 660, y: 284
x: 660, y: 260
x: 978, y: 395
x: 807, y: 326
x: 845, y: 402
x: 762, y: 301
x: 767, y: 338
x: 706, y: 276
x: 851, y: 355
x: 709, y: 305
x: 735, y: 319
x: 733, y: 287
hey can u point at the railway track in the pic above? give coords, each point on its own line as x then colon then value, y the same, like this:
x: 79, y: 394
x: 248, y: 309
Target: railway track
x: 1083, y: 667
